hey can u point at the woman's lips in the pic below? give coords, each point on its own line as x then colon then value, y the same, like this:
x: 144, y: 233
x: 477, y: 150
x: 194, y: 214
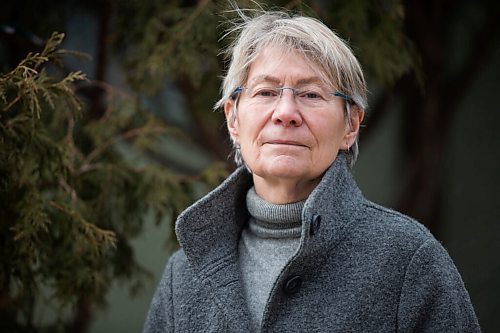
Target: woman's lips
x: 286, y: 143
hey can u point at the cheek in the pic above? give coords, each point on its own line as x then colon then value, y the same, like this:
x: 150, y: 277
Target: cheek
x: 249, y: 128
x: 247, y: 140
x: 328, y: 132
x: 329, y: 136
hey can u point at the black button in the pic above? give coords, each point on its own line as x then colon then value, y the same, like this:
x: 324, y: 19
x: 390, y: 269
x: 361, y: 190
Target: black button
x: 315, y: 224
x: 292, y: 285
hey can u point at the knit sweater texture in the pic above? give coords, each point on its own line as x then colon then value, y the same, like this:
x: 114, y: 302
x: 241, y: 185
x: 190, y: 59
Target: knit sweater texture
x: 266, y: 245
x: 359, y: 268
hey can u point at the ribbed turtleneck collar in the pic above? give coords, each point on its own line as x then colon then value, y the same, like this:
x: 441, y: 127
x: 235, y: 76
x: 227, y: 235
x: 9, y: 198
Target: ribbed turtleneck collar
x: 274, y: 221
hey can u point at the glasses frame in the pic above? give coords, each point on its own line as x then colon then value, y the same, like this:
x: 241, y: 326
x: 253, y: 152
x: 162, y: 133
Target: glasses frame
x: 236, y: 92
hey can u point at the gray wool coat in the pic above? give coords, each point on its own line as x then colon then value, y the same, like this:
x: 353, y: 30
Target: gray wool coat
x: 359, y: 268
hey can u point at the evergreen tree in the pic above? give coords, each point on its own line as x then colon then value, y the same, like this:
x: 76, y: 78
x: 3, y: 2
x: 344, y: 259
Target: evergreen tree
x: 70, y: 198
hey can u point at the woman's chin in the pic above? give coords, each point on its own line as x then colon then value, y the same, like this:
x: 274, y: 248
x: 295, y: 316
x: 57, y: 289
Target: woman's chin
x: 283, y: 167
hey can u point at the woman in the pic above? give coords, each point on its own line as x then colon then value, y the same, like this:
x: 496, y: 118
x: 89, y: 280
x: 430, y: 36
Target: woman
x: 288, y: 243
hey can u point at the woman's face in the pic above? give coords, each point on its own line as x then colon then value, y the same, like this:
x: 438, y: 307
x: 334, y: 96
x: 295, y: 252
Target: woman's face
x: 290, y: 139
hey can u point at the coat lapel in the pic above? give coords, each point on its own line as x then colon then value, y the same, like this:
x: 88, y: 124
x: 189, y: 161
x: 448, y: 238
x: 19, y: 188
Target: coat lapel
x: 209, y: 232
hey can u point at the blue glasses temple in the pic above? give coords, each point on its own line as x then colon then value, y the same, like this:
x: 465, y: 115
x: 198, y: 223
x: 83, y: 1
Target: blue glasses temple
x: 349, y: 99
x: 343, y: 96
x: 236, y: 91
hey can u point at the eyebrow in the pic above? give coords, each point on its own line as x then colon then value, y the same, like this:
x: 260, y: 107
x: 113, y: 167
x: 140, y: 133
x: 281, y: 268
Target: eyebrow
x: 273, y: 79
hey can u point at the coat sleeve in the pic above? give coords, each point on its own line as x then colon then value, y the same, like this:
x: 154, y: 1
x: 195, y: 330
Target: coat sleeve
x: 433, y: 297
x: 160, y: 315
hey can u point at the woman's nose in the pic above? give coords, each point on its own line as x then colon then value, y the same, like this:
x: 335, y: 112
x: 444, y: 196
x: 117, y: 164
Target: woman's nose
x: 286, y: 111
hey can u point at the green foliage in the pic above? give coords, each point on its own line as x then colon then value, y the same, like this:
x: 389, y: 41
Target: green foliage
x: 70, y: 199
x: 375, y: 31
x: 41, y: 226
x: 180, y: 42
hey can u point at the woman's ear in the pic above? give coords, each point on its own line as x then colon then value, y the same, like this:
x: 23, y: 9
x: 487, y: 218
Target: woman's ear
x: 357, y: 116
x: 231, y: 119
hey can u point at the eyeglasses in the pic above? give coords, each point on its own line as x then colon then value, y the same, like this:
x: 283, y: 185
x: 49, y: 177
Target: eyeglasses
x: 313, y: 96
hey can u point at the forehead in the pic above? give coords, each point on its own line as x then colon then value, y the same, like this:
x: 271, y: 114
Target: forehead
x: 278, y: 66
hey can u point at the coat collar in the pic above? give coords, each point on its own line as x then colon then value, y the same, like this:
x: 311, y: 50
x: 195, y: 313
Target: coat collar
x: 209, y: 230
x: 338, y: 201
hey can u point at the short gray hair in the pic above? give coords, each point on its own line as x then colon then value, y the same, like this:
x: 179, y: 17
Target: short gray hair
x: 318, y: 44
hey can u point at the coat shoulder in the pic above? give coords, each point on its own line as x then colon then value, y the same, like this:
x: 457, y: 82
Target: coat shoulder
x: 389, y: 222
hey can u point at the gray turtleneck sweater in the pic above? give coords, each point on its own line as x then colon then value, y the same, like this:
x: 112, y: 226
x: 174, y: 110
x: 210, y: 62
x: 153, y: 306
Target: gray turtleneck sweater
x: 267, y: 243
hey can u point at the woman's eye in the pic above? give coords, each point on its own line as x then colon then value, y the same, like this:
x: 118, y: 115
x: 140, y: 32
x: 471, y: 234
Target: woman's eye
x: 311, y: 95
x: 266, y: 93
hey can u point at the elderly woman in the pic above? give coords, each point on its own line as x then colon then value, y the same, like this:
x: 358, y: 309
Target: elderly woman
x: 288, y: 243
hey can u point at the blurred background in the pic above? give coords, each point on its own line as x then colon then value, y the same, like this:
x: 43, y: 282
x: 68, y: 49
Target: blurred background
x: 107, y: 133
